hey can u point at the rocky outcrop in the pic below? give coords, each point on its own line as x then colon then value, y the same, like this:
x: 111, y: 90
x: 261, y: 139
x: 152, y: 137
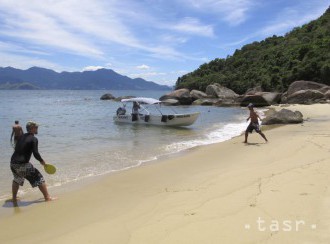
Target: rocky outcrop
x: 253, y: 90
x: 118, y: 99
x: 305, y: 97
x: 182, y: 95
x: 218, y: 91
x: 195, y: 94
x: 283, y: 116
x: 327, y: 95
x: 171, y: 102
x: 107, y: 96
x: 304, y: 85
x: 257, y: 100
x: 204, y: 101
x: 305, y: 92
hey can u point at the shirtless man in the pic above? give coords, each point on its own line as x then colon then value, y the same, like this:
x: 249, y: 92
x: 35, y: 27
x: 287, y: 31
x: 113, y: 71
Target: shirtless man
x: 254, y: 124
x: 17, y: 132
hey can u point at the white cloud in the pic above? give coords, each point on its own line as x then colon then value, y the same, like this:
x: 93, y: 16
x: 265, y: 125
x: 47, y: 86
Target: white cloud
x: 193, y: 26
x: 285, y: 21
x: 92, y: 68
x: 233, y: 12
x: 24, y: 62
x: 143, y: 67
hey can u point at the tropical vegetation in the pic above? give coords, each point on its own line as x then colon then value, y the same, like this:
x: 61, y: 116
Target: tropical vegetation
x: 273, y: 63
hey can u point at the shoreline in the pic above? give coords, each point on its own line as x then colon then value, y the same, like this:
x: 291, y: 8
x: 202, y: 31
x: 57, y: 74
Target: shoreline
x: 208, y: 194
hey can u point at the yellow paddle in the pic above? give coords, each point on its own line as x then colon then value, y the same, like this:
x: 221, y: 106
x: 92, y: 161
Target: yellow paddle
x: 50, y: 169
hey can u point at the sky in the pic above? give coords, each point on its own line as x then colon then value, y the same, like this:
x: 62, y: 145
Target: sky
x: 157, y: 40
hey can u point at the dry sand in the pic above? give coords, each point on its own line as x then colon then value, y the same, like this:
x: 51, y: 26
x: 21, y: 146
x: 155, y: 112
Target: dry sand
x: 229, y: 192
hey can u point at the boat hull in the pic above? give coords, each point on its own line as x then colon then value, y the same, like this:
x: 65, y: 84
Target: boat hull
x: 160, y: 120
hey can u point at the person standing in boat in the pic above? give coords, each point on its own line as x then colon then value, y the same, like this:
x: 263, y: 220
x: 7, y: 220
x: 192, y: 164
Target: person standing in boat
x: 135, y: 111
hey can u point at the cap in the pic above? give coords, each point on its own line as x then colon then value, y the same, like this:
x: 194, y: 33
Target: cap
x: 250, y: 105
x: 30, y: 125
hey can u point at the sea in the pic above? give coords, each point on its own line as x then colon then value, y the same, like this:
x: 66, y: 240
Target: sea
x: 77, y: 133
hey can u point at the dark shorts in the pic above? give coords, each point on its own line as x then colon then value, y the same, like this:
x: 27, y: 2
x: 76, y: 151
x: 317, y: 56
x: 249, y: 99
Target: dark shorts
x: 253, y: 126
x: 26, y: 171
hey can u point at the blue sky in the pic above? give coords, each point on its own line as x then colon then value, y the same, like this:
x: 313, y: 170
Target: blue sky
x: 158, y: 40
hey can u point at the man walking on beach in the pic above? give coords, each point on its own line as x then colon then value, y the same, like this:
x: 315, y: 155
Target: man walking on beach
x: 254, y: 124
x: 16, y: 133
x: 20, y: 163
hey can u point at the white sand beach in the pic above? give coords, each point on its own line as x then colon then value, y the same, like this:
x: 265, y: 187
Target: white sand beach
x: 230, y: 192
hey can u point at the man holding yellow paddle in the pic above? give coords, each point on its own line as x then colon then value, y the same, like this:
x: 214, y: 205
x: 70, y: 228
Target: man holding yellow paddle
x: 22, y: 168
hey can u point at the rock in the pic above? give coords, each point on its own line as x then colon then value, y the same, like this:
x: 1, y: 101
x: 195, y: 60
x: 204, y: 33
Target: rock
x: 327, y: 95
x: 304, y: 85
x: 171, y: 102
x: 284, y: 97
x: 227, y: 103
x: 203, y: 102
x: 254, y: 90
x: 257, y: 100
x: 195, y: 94
x: 218, y: 91
x: 182, y: 95
x: 325, y: 89
x: 107, y: 96
x: 271, y: 97
x: 305, y: 97
x: 283, y: 116
x: 118, y: 99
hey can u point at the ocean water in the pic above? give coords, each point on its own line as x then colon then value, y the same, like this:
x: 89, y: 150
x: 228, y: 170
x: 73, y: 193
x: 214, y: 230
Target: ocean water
x: 77, y: 133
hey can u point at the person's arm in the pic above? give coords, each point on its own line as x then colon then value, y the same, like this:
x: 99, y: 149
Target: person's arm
x: 12, y: 134
x: 36, y: 153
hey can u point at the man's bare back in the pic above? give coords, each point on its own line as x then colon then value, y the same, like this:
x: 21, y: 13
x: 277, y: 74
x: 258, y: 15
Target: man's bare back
x: 17, y: 132
x: 17, y: 129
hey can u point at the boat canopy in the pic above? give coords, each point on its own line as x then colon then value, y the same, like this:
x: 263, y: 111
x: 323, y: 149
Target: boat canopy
x: 145, y: 100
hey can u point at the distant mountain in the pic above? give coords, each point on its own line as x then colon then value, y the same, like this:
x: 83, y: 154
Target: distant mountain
x: 40, y: 78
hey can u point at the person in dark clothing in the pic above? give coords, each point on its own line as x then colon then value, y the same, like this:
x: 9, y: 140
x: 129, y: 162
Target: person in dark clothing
x: 20, y: 164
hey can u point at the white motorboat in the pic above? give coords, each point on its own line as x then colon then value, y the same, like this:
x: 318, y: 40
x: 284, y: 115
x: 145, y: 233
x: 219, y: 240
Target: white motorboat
x: 150, y: 113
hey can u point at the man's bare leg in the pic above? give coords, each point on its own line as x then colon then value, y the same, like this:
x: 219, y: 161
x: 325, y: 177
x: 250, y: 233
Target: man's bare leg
x: 44, y: 191
x: 263, y: 136
x: 15, y: 188
x: 246, y: 136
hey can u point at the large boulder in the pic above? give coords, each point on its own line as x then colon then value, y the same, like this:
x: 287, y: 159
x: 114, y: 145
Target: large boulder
x: 204, y: 102
x: 257, y: 100
x: 218, y: 91
x: 327, y: 95
x: 260, y: 99
x: 107, y: 96
x: 271, y: 97
x: 182, y: 95
x: 254, y: 90
x: 171, y: 102
x: 283, y: 116
x: 118, y: 99
x: 195, y: 94
x: 305, y: 97
x: 304, y: 85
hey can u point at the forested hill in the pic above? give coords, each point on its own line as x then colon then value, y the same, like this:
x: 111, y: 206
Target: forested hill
x: 274, y: 63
